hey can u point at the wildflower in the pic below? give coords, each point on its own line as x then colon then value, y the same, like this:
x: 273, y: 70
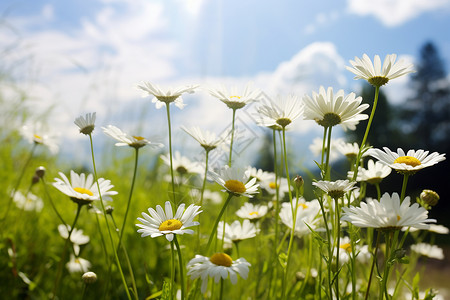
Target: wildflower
x: 335, y: 189
x: 78, y: 264
x: 38, y: 134
x: 83, y: 189
x: 317, y: 144
x: 281, y: 112
x: 89, y: 277
x: 406, y: 163
x: 429, y: 197
x: 77, y: 237
x: 350, y: 150
x: 219, y: 265
x: 236, y: 232
x: 182, y: 164
x: 208, y: 140
x: 161, y: 222
x: 374, y: 173
x: 440, y: 229
x: 307, y: 216
x: 233, y: 99
x: 428, y: 250
x: 170, y: 95
x: 86, y: 124
x: 252, y: 211
x: 376, y: 74
x: 329, y: 109
x: 270, y: 186
x: 30, y: 202
x: 235, y: 181
x: 260, y: 174
x: 388, y: 213
x: 128, y: 140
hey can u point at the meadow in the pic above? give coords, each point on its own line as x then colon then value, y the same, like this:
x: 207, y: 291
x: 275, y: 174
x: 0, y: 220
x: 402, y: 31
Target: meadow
x: 152, y: 224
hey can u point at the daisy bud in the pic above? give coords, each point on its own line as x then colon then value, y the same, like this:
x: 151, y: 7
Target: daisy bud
x: 89, y: 277
x: 298, y: 181
x: 35, y: 179
x: 109, y: 210
x: 429, y: 197
x: 40, y: 172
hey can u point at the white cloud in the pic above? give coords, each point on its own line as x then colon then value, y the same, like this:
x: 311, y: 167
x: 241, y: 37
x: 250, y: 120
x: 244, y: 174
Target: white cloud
x: 395, y: 12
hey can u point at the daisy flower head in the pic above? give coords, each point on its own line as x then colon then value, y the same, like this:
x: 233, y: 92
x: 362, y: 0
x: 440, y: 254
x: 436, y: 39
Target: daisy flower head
x: 307, y: 215
x: 182, y: 164
x: 252, y: 211
x: 235, y: 99
x: 218, y: 266
x: 406, y: 163
x: 235, y: 181
x: 377, y: 74
x: 335, y: 189
x: 329, y: 109
x: 280, y: 113
x: 167, y: 96
x: 440, y: 229
x: 86, y: 124
x: 125, y: 139
x: 374, y: 173
x: 350, y: 150
x: 271, y: 186
x: 208, y: 140
x: 78, y: 264
x: 388, y: 213
x: 236, y: 232
x: 83, y: 189
x: 428, y: 250
x: 260, y: 174
x: 77, y: 237
x: 29, y: 202
x: 162, y: 222
x: 40, y: 135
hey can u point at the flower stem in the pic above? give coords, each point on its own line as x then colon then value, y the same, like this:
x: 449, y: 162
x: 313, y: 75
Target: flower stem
x: 327, y: 171
x: 170, y: 151
x: 214, y: 229
x: 181, y: 266
x: 405, y: 182
x: 374, y: 260
x: 172, y: 271
x: 232, y: 136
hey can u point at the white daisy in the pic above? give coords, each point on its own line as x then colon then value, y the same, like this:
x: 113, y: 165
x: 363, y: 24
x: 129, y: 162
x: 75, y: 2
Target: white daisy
x: 374, y: 173
x: 77, y: 237
x: 388, y: 213
x: 428, y: 250
x: 219, y: 265
x: 207, y: 139
x: 161, y: 222
x: 82, y: 189
x: 252, y: 211
x: 280, y: 113
x: 78, y: 264
x: 39, y: 134
x: 440, y: 229
x: 317, y: 144
x: 182, y: 165
x: 235, y: 181
x: 350, y: 150
x: 406, y: 163
x: 329, y: 109
x: 335, y: 189
x: 86, y: 124
x: 376, y: 74
x: 30, y: 202
x: 307, y: 216
x: 236, y: 232
x: 168, y: 96
x: 260, y: 174
x: 345, y: 250
x: 270, y: 185
x: 128, y: 140
x: 235, y: 99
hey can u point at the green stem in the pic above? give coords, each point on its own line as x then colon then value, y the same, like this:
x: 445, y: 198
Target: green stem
x: 51, y: 201
x: 366, y: 134
x: 377, y: 186
x: 214, y: 229
x: 327, y: 163
x: 330, y: 254
x: 374, y: 260
x: 202, y: 194
x: 107, y: 223
x: 172, y: 271
x: 221, y: 289
x: 181, y: 267
x: 325, y: 130
x: 170, y: 151
x: 405, y: 182
x: 338, y: 241
x: 232, y: 136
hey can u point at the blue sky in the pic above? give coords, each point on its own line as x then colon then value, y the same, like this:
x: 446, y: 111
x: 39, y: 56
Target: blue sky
x: 89, y: 55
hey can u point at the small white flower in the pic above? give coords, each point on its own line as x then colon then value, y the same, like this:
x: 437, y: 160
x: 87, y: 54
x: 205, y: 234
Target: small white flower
x: 168, y: 96
x: 207, y: 139
x: 236, y: 232
x: 376, y: 74
x: 30, y: 202
x: 307, y: 216
x: 428, y: 250
x: 161, y: 222
x: 219, y: 265
x: 280, y: 113
x: 440, y: 229
x: 86, y: 124
x: 128, y: 140
x: 182, y: 165
x: 261, y: 175
x: 252, y: 211
x: 235, y: 181
x: 406, y: 163
x: 335, y: 189
x: 350, y: 150
x: 39, y: 134
x: 77, y: 237
x: 78, y: 264
x: 270, y: 185
x: 374, y: 173
x: 83, y: 189
x: 388, y: 213
x: 235, y: 99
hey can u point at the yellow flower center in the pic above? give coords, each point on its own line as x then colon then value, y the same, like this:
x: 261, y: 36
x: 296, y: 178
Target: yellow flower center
x: 409, y: 160
x: 273, y: 185
x: 347, y: 247
x: 253, y: 213
x: 83, y: 191
x: 138, y: 138
x: 37, y: 137
x: 398, y: 218
x: 171, y: 224
x: 237, y: 97
x: 221, y: 259
x: 235, y: 186
x: 302, y: 205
